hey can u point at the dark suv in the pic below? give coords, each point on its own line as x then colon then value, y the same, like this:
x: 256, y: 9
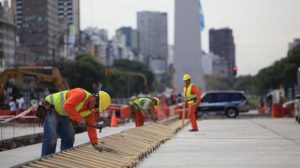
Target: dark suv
x: 230, y: 103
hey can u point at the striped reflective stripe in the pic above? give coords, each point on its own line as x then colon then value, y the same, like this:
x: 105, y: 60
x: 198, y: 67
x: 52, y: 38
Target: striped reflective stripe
x: 51, y: 99
x: 187, y: 92
x: 62, y: 101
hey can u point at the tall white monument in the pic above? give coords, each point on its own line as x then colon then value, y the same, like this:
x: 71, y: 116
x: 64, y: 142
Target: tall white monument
x: 187, y: 44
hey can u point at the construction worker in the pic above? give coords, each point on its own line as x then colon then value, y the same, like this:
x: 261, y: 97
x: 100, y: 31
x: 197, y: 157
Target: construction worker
x: 63, y: 107
x: 143, y: 107
x: 192, y: 99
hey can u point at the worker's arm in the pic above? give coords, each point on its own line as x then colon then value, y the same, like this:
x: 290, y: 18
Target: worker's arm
x: 73, y: 99
x: 92, y: 132
x: 145, y: 108
x: 196, y: 91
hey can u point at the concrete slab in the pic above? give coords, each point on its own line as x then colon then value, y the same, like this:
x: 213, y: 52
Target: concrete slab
x: 20, y: 155
x: 259, y: 143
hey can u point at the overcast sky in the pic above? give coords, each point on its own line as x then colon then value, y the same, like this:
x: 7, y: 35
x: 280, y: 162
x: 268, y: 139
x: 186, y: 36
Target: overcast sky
x: 262, y: 28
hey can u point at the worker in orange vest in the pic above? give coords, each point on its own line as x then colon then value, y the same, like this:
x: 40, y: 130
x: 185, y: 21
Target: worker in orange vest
x: 192, y: 97
x: 143, y: 107
x: 63, y: 107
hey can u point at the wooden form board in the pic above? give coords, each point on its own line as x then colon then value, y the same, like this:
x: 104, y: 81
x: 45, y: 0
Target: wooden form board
x: 127, y: 149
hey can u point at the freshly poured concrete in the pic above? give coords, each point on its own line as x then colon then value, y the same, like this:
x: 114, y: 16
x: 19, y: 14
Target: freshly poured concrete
x: 240, y: 143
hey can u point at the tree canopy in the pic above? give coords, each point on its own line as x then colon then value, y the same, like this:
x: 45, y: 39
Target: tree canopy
x: 120, y: 80
x: 282, y: 72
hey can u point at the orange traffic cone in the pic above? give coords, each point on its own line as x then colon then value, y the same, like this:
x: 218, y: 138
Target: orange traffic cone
x: 113, y: 121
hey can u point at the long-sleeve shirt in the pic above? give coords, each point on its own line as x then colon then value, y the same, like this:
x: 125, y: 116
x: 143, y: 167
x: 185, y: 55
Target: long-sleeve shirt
x: 74, y: 97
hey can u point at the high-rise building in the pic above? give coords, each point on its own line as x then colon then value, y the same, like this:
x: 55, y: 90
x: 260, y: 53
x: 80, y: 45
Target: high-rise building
x: 68, y: 13
x: 187, y: 44
x: 131, y: 38
x: 7, y: 37
x: 221, y: 42
x: 37, y: 24
x: 69, y: 27
x: 153, y: 40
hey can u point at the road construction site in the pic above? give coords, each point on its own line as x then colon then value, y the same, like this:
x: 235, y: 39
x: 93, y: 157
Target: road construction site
x: 241, y: 142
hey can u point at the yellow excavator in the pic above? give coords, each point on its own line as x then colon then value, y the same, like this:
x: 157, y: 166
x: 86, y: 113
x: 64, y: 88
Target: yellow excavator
x: 34, y: 74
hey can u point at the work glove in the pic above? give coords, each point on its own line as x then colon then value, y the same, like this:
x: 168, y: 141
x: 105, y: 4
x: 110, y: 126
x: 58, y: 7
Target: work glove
x: 101, y: 148
x: 98, y: 147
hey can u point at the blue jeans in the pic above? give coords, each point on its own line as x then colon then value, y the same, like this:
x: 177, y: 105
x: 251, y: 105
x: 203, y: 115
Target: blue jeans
x: 56, y: 126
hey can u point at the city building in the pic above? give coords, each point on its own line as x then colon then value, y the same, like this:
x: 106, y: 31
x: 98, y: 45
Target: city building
x: 214, y: 65
x: 37, y: 24
x: 7, y: 37
x: 295, y: 43
x: 153, y: 41
x: 221, y: 42
x: 132, y: 42
x: 94, y: 41
x: 220, y: 65
x: 187, y: 44
x: 207, y: 63
x: 69, y: 22
x: 68, y: 12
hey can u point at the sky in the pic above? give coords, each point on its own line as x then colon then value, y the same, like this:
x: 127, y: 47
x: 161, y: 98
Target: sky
x: 262, y: 29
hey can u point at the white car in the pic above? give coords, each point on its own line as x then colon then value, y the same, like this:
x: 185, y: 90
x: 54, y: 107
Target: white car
x: 297, y: 108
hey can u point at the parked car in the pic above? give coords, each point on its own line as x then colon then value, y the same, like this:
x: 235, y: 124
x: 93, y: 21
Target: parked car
x: 297, y: 108
x: 230, y: 103
x: 289, y: 108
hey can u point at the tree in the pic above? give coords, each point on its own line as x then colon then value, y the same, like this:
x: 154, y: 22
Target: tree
x: 282, y: 72
x: 82, y: 72
x: 136, y: 83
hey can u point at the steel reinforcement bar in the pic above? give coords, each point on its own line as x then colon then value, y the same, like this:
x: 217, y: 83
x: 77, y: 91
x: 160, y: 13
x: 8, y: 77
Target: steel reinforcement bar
x: 128, y: 148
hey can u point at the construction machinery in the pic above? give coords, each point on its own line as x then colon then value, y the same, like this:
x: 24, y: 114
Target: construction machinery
x: 28, y: 80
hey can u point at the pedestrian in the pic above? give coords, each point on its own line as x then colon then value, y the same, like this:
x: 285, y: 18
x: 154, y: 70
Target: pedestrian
x: 12, y: 106
x: 63, y: 107
x: 192, y: 97
x: 143, y: 107
x: 21, y: 103
x: 173, y: 98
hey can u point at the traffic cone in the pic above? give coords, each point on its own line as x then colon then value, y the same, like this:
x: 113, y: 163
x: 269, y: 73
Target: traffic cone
x: 113, y: 121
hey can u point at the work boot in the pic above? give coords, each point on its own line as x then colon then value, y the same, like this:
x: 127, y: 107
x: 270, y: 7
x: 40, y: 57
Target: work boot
x: 193, y: 130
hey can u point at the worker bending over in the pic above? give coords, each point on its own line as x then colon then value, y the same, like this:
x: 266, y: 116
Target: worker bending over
x: 63, y: 107
x: 192, y: 99
x: 143, y: 107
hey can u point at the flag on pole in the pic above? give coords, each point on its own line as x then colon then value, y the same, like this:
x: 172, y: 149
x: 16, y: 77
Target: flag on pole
x: 201, y: 19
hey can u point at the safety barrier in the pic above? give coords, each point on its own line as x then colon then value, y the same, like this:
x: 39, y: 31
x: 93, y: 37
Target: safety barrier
x: 179, y: 109
x: 121, y: 110
x: 277, y: 111
x: 128, y: 148
x: 19, y: 130
x: 27, y: 114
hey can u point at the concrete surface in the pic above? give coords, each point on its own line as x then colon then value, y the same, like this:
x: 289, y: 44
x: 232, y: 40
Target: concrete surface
x: 221, y: 142
x: 20, y: 155
x: 230, y: 143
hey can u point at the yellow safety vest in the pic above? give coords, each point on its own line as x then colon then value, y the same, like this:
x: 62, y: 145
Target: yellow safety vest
x: 188, y: 94
x: 140, y: 102
x: 58, y: 99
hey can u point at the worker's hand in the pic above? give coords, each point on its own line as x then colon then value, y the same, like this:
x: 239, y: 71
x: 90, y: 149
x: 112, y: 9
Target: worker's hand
x: 98, y: 147
x: 101, y: 148
x: 99, y: 125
